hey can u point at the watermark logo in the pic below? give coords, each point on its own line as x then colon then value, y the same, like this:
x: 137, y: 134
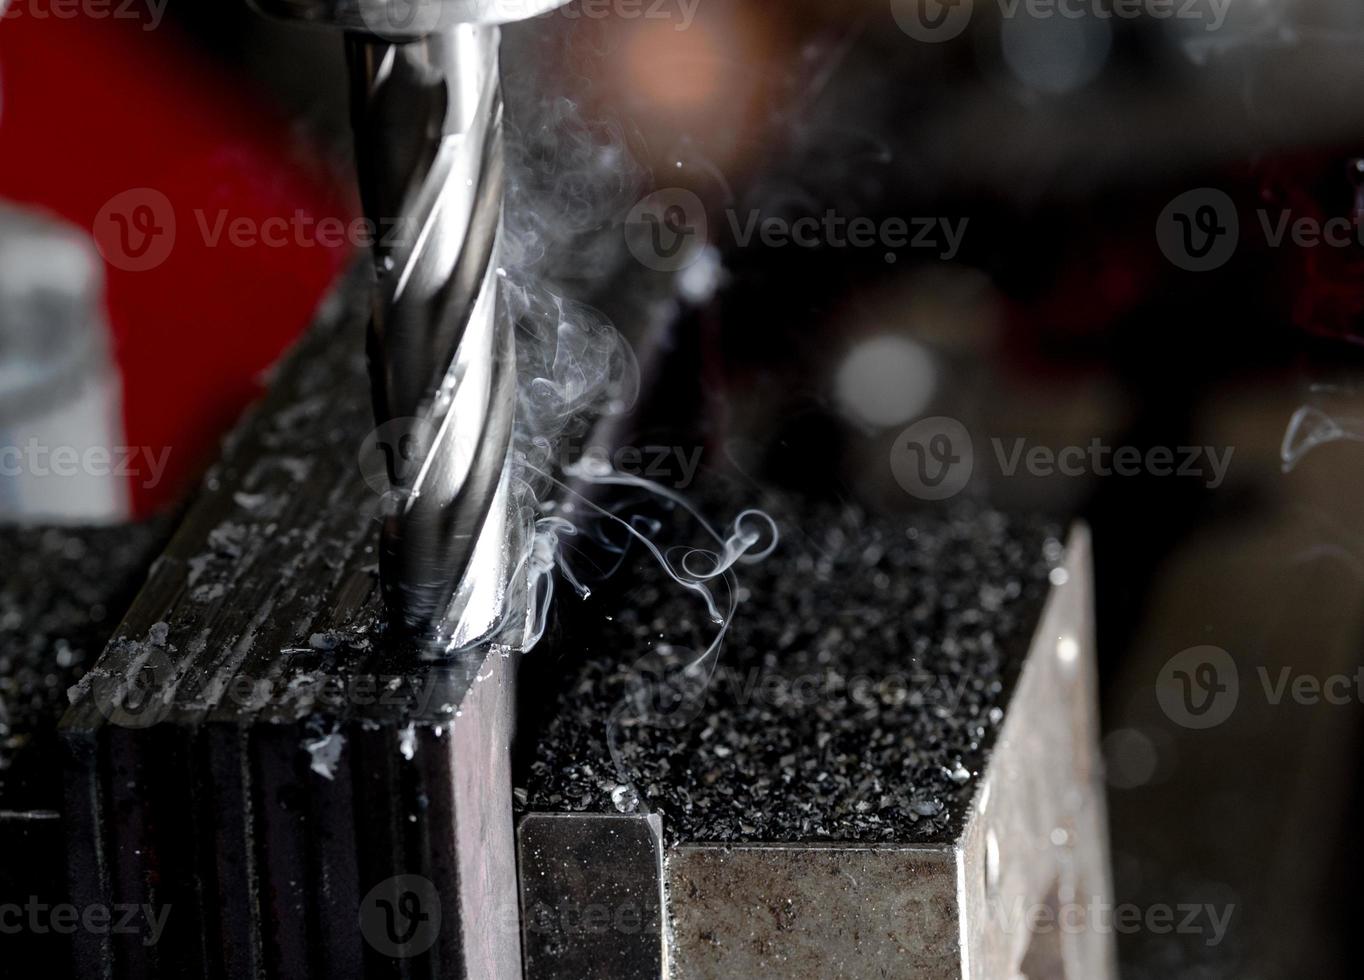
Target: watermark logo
x: 135, y: 230
x: 136, y: 697
x: 932, y: 21
x: 1199, y: 230
x: 392, y: 456
x: 667, y: 688
x: 667, y: 231
x: 1198, y: 688
x: 400, y: 917
x: 933, y: 459
x: 398, y: 20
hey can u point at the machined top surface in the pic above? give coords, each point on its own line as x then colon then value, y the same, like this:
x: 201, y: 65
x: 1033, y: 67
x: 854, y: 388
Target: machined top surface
x: 862, y: 684
x: 265, y: 606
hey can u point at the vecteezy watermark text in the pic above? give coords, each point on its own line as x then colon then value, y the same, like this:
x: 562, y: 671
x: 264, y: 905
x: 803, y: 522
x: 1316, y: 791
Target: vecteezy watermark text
x: 670, y: 466
x: 1124, y: 918
x: 936, y: 21
x: 591, y: 919
x: 657, y: 695
x: 37, y: 459
x: 935, y: 458
x: 138, y: 699
x: 149, y: 12
x: 833, y: 230
x: 1207, y: 463
x: 669, y: 230
x: 138, y: 229
x: 302, y: 230
x: 681, y: 12
x: 64, y: 919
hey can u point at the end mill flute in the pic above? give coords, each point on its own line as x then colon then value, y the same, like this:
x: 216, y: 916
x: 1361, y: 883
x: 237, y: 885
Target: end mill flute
x: 426, y: 103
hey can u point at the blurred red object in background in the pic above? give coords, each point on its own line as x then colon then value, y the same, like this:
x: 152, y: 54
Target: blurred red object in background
x: 203, y: 203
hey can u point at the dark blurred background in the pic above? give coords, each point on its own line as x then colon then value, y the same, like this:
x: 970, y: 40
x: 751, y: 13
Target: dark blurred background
x: 1065, y: 316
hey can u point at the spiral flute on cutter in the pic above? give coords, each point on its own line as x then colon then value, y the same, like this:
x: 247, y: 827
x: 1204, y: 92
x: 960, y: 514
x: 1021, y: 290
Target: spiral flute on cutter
x: 427, y: 113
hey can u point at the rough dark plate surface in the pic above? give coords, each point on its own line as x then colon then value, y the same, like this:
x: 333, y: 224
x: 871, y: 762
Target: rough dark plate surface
x: 861, y: 684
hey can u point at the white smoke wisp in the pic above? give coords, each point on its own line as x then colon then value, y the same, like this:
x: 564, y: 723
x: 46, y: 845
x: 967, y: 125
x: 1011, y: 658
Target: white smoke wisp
x: 573, y: 367
x: 669, y: 682
x: 574, y: 370
x: 571, y: 181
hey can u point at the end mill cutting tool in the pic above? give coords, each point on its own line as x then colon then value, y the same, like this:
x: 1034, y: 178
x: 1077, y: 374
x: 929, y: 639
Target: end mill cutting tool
x: 427, y: 114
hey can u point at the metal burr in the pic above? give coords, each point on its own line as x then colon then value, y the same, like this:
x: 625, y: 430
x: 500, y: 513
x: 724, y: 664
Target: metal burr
x: 427, y: 114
